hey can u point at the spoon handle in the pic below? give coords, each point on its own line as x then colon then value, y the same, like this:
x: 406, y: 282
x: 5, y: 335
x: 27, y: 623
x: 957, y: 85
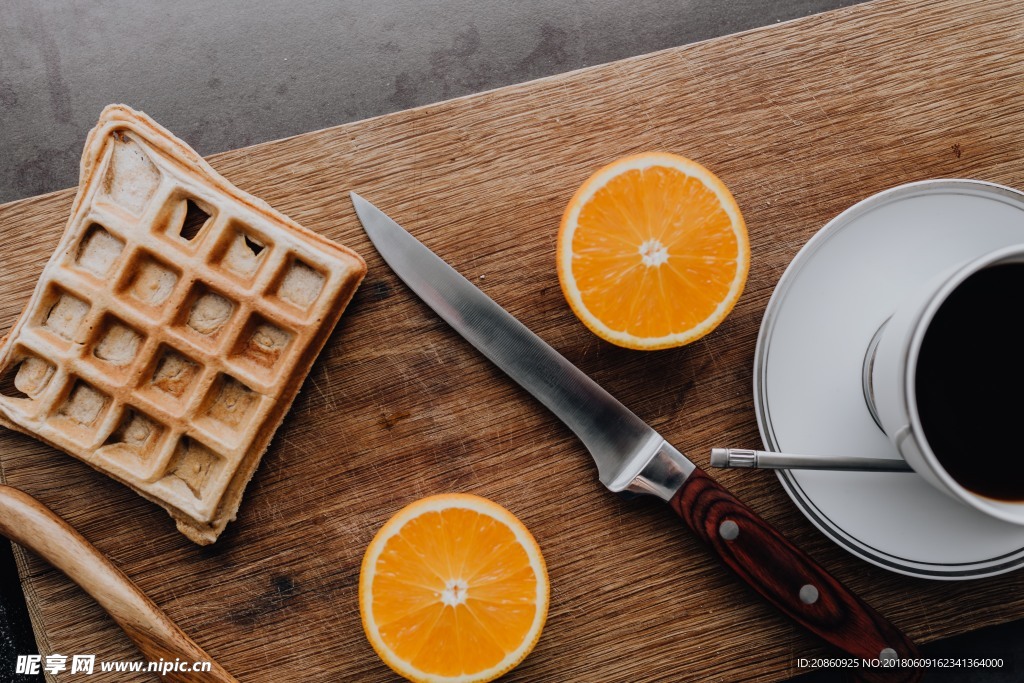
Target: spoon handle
x: 740, y: 457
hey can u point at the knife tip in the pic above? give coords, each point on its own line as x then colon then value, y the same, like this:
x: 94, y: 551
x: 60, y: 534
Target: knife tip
x: 360, y: 205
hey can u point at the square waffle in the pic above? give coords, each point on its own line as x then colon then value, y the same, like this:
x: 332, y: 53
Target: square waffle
x: 172, y: 328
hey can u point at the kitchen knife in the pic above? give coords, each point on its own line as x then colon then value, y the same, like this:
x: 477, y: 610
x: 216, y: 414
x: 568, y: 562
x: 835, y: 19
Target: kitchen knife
x: 632, y: 456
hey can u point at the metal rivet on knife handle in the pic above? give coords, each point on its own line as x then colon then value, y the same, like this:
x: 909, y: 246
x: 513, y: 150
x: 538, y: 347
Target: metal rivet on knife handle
x: 729, y: 530
x: 808, y: 594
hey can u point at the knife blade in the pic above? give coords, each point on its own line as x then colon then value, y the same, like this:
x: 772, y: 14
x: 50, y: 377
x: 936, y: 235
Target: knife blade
x: 631, y: 456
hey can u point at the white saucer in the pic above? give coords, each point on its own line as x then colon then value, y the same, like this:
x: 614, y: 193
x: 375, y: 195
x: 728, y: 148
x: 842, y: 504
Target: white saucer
x: 807, y: 374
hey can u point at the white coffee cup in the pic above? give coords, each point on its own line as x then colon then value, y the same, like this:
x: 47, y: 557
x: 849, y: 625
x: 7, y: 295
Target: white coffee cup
x: 890, y: 382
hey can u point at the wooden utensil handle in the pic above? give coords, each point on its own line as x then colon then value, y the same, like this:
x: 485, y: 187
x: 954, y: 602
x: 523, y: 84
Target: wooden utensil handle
x: 29, y: 523
x: 790, y: 580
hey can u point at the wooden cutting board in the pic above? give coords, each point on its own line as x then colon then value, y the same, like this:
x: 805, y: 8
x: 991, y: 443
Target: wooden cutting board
x: 801, y: 120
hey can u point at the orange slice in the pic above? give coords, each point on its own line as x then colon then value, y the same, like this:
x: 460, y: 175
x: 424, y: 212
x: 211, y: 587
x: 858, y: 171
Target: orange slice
x: 453, y: 589
x: 652, y: 252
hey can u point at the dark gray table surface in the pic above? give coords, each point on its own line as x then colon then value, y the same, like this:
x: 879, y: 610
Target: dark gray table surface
x: 228, y: 74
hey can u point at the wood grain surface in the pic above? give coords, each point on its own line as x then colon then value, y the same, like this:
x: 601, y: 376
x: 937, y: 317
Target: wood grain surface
x: 33, y: 526
x: 800, y: 120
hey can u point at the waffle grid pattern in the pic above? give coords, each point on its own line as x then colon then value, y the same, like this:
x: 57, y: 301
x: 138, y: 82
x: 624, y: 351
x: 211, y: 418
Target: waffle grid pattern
x: 165, y: 331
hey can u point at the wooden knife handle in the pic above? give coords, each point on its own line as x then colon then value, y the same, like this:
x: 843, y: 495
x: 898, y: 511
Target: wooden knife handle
x: 790, y: 580
x: 29, y: 523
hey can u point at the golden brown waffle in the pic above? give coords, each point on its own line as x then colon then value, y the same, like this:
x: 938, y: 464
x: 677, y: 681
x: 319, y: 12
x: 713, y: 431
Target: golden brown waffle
x: 172, y: 328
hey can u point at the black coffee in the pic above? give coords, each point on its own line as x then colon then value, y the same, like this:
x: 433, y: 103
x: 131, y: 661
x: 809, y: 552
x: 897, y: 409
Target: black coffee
x: 970, y: 383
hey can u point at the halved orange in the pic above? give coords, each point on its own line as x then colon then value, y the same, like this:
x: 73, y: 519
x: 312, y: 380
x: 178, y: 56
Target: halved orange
x: 453, y: 589
x: 652, y: 251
